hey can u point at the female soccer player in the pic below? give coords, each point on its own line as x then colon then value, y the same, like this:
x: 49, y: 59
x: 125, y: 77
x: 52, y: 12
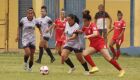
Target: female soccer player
x: 45, y: 23
x: 60, y: 24
x: 97, y: 43
x: 118, y: 37
x: 28, y: 24
x: 73, y: 44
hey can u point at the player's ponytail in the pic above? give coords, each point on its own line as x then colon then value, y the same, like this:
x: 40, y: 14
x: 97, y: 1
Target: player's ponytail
x: 86, y: 15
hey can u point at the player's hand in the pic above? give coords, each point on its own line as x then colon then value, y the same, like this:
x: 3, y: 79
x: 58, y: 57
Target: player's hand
x: 86, y: 37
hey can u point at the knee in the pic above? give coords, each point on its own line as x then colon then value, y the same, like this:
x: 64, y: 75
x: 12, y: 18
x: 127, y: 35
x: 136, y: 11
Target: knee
x: 85, y: 53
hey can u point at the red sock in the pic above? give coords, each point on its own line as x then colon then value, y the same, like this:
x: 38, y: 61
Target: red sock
x: 89, y: 60
x: 115, y: 64
x: 113, y: 51
x: 118, y: 53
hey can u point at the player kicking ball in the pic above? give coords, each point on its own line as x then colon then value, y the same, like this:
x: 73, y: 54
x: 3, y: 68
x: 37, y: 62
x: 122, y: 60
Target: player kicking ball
x: 97, y: 43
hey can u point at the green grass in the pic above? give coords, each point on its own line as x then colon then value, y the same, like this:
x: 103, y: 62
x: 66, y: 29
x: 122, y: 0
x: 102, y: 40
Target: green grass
x: 11, y: 68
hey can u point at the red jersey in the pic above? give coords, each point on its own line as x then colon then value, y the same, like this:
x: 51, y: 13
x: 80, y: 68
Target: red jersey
x: 59, y: 30
x: 118, y: 28
x: 89, y: 30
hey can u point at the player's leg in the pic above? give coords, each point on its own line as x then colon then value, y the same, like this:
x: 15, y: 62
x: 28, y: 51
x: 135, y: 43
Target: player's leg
x: 111, y: 44
x: 41, y: 45
x: 86, y: 54
x: 48, y: 50
x: 80, y: 58
x: 59, y: 47
x: 32, y: 50
x: 64, y: 55
x: 107, y: 56
x: 100, y: 32
x: 118, y: 45
x: 104, y: 31
x: 26, y: 56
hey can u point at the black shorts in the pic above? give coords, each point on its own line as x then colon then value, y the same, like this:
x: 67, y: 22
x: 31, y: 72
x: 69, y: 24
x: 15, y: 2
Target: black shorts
x: 30, y: 45
x: 46, y: 38
x: 73, y: 49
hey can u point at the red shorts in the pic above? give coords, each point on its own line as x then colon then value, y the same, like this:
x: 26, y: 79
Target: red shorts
x: 59, y: 43
x: 118, y: 41
x: 98, y: 45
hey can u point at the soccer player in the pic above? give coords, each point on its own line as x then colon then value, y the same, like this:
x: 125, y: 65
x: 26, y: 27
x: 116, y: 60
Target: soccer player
x: 118, y: 37
x: 88, y: 57
x: 73, y: 44
x: 97, y: 43
x: 100, y: 20
x: 46, y: 26
x: 28, y: 24
x: 60, y: 24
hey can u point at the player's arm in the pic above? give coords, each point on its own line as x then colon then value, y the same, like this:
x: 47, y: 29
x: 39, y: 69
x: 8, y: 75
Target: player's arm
x: 110, y: 20
x: 121, y: 34
x: 110, y: 30
x: 20, y: 25
x: 39, y: 28
x: 75, y: 34
x: 79, y: 31
x: 95, y: 33
x: 52, y: 25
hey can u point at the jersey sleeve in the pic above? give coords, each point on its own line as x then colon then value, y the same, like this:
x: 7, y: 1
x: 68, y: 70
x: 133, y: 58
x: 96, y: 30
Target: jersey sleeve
x: 106, y: 15
x: 123, y: 24
x: 37, y: 23
x: 50, y: 22
x: 21, y: 22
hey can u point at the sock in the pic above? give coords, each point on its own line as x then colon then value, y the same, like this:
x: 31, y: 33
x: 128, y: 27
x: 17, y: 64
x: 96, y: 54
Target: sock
x: 49, y: 53
x: 115, y: 64
x: 40, y: 53
x: 69, y: 63
x: 118, y: 53
x: 30, y: 64
x: 113, y: 51
x: 85, y: 66
x: 89, y: 60
x: 25, y: 58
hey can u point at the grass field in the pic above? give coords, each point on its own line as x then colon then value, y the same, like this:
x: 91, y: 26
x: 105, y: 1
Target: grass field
x: 11, y: 68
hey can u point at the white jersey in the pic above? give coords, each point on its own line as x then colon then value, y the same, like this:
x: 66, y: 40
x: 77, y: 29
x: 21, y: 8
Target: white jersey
x: 100, y: 23
x: 69, y: 30
x: 28, y: 31
x: 44, y: 22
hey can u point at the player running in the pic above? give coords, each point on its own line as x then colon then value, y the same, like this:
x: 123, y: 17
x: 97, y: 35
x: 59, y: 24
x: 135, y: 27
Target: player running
x: 97, y: 43
x: 60, y: 24
x: 73, y: 44
x: 118, y: 37
x: 28, y: 24
x: 46, y: 24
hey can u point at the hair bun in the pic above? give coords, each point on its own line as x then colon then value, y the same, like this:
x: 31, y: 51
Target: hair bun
x: 86, y: 12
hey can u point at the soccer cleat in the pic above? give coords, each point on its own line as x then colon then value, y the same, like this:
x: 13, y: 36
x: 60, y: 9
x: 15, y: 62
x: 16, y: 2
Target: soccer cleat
x: 25, y: 66
x: 86, y: 73
x: 29, y: 69
x: 38, y: 61
x: 52, y: 60
x: 71, y: 70
x: 121, y: 74
x: 94, y: 69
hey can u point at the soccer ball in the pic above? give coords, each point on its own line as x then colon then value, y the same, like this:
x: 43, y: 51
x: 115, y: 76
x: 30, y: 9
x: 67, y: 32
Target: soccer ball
x: 44, y: 70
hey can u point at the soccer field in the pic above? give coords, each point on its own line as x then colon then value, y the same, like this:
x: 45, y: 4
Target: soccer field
x: 11, y: 68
